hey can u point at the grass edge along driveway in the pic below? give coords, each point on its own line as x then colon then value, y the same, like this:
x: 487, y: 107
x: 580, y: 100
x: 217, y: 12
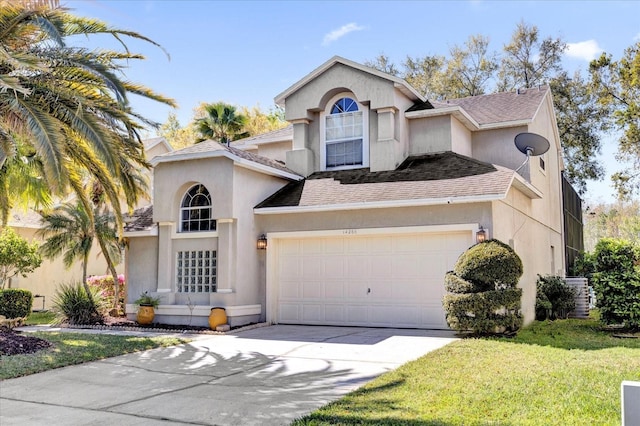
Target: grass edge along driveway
x: 565, y: 372
x: 77, y: 348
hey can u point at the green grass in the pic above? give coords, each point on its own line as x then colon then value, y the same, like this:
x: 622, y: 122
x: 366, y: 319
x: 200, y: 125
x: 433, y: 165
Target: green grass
x: 42, y: 317
x: 76, y: 348
x: 553, y: 373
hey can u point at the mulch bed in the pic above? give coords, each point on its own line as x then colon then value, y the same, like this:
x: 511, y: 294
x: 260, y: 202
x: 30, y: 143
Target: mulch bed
x: 16, y: 343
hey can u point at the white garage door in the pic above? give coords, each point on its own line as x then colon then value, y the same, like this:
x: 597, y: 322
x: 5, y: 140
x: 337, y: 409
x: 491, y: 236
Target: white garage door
x: 376, y: 280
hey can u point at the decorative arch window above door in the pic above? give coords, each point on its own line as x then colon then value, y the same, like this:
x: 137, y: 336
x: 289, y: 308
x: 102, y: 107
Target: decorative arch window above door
x: 344, y: 135
x: 195, y: 210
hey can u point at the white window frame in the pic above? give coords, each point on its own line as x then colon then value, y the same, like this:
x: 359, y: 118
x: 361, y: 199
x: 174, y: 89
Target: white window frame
x: 191, y: 271
x: 365, y: 134
x: 184, y: 209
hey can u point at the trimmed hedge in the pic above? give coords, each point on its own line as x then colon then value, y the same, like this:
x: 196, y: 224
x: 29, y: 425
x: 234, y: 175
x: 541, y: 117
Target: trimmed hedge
x: 616, y: 281
x: 15, y: 302
x: 490, y: 262
x: 482, y: 295
x: 554, y: 298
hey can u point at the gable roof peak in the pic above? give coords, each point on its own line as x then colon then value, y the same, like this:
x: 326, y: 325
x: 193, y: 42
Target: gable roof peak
x: 399, y: 83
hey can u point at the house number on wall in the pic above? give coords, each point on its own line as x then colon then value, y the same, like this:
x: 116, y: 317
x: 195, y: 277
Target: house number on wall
x: 350, y: 231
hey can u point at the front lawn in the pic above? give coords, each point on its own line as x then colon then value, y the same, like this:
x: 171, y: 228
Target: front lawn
x: 76, y: 348
x: 553, y: 373
x: 40, y: 318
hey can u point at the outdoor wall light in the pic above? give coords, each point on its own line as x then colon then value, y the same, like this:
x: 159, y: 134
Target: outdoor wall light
x: 262, y: 242
x: 481, y: 235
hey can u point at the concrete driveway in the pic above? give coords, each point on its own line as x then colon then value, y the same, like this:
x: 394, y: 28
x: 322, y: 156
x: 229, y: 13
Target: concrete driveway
x: 265, y: 376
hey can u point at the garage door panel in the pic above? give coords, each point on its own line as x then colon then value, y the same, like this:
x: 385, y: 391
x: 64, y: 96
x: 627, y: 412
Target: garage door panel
x: 290, y: 290
x: 311, y: 268
x: 334, y: 290
x: 357, y: 314
x: 357, y: 267
x: 373, y: 280
x: 312, y: 289
x: 290, y: 268
x: 333, y: 245
x: 289, y: 312
x: 381, y: 267
x: 313, y: 313
x: 335, y: 314
x: 333, y: 266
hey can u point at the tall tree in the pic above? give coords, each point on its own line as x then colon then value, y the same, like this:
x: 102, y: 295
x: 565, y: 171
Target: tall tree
x: 425, y: 74
x: 17, y: 256
x: 69, y: 104
x: 178, y: 137
x: 618, y: 85
x: 222, y: 123
x: 259, y: 122
x: 384, y: 64
x: 469, y: 68
x: 581, y: 122
x: 70, y: 230
x: 529, y: 61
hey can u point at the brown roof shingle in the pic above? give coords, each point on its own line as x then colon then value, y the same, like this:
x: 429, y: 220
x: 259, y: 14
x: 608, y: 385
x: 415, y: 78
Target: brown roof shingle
x: 434, y: 176
x: 140, y: 220
x: 500, y: 107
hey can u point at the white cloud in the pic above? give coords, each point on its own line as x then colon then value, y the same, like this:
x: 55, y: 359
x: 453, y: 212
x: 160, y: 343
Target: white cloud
x: 587, y: 50
x: 341, y: 32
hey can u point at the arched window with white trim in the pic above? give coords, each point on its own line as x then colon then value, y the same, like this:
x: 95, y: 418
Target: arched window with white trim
x: 195, y: 210
x: 345, y: 143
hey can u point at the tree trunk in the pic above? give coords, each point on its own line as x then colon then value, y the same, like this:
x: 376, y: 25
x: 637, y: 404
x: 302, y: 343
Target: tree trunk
x: 114, y: 274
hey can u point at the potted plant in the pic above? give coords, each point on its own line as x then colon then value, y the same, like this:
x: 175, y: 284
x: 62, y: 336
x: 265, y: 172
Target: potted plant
x: 146, y: 308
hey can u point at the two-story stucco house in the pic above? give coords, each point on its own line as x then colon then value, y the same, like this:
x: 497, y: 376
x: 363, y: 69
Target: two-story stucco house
x: 363, y: 204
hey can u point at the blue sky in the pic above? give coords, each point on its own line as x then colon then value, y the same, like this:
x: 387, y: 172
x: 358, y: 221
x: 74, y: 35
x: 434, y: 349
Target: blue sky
x: 247, y: 52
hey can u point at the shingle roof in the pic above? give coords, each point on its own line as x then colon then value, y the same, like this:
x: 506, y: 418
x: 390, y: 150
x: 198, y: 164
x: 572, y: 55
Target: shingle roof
x: 284, y: 134
x: 500, y: 107
x: 210, y: 146
x: 140, y: 220
x: 434, y: 176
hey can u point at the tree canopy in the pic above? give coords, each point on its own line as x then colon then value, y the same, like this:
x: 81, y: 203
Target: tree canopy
x: 588, y: 105
x: 68, y: 107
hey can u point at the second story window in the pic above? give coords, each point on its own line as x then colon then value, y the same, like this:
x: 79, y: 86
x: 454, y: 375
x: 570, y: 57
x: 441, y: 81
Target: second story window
x: 195, y: 210
x: 345, y: 144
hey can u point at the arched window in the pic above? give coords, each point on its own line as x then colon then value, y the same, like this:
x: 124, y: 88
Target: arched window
x: 195, y: 210
x: 344, y: 135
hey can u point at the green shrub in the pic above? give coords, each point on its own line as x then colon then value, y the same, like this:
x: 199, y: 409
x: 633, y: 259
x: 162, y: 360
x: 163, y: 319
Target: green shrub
x: 492, y: 263
x: 72, y: 304
x: 616, y: 281
x: 554, y: 298
x: 15, y: 302
x: 482, y: 297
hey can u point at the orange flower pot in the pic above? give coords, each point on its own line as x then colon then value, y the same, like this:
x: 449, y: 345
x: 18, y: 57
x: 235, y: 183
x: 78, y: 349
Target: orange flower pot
x: 218, y: 316
x: 145, y: 315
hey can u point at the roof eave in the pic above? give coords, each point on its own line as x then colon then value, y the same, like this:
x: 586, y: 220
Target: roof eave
x: 381, y: 204
x: 525, y: 187
x: 152, y: 232
x: 262, y: 168
x: 456, y: 111
x: 399, y: 83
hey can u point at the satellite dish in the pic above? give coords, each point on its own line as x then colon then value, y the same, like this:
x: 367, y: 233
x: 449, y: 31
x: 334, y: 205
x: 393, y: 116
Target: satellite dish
x: 531, y: 144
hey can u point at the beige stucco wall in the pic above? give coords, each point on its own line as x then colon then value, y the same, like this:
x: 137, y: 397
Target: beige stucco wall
x: 47, y: 278
x: 378, y: 218
x: 276, y: 151
x: 234, y: 190
x: 387, y: 130
x: 496, y: 146
x: 531, y: 239
x: 141, y: 269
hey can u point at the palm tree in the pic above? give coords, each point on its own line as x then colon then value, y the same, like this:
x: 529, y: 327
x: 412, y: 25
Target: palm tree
x: 69, y: 104
x: 221, y: 123
x: 70, y: 231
